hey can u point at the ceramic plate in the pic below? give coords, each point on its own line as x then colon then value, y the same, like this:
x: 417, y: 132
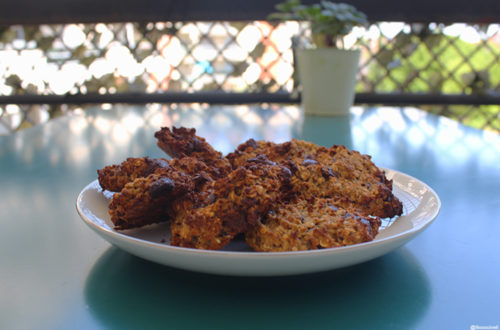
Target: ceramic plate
x: 420, y: 207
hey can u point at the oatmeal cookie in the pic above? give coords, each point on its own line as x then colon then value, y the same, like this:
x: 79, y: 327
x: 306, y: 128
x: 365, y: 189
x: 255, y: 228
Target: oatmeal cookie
x: 334, y: 172
x: 310, y: 225
x: 281, y: 196
x: 360, y: 190
x: 295, y: 150
x: 146, y: 200
x: 183, y: 142
x: 114, y: 177
x: 229, y: 206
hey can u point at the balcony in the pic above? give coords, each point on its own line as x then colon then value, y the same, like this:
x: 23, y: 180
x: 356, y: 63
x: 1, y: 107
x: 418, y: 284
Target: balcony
x: 56, y: 60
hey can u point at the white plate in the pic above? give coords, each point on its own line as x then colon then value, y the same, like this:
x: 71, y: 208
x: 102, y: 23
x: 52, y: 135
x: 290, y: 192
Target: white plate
x: 420, y: 207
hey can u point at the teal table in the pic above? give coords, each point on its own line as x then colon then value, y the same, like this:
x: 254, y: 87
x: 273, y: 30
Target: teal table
x: 55, y: 273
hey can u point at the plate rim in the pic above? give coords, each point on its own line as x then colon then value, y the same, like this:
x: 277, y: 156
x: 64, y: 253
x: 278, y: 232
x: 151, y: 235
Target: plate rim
x: 105, y: 233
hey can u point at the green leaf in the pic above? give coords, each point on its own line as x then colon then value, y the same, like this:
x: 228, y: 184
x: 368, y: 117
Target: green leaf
x: 329, y: 20
x: 288, y: 5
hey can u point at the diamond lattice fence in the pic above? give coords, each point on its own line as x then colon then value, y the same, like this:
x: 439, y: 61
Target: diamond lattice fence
x: 239, y: 57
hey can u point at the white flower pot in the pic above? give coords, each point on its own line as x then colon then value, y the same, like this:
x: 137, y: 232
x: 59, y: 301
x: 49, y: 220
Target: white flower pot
x: 328, y: 78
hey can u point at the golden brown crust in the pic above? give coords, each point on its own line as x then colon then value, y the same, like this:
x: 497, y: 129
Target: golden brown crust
x: 289, y: 196
x: 115, y: 177
x: 195, y: 168
x: 334, y: 172
x: 146, y: 200
x: 232, y: 205
x: 363, y: 192
x: 249, y: 149
x: 183, y: 142
x: 310, y: 225
x: 295, y: 150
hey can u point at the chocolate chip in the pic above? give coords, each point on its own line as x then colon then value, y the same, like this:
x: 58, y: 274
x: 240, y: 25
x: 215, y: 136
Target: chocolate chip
x: 285, y: 172
x: 161, y: 187
x: 201, y: 178
x: 211, y: 198
x: 197, y: 145
x: 153, y: 164
x: 252, y: 143
x: 327, y: 172
x: 309, y: 161
x: 283, y: 148
x: 291, y: 165
x: 261, y: 159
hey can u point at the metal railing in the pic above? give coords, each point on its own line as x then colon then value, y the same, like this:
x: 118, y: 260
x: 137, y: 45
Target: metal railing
x: 452, y: 69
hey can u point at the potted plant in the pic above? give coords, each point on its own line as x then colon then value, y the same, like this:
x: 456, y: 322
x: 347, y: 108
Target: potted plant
x: 327, y: 71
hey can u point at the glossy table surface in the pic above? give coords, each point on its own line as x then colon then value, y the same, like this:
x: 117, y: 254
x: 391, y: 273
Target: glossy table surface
x: 55, y: 273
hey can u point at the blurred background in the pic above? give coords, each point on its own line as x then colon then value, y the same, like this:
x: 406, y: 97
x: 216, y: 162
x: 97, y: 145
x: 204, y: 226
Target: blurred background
x: 446, y: 61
